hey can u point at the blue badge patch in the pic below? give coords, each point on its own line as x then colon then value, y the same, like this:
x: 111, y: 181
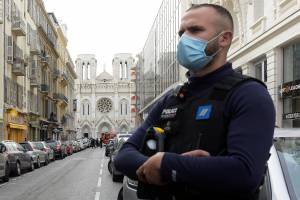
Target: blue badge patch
x: 203, y: 112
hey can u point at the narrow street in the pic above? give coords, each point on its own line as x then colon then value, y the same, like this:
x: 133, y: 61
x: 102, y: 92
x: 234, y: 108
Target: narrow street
x: 82, y: 176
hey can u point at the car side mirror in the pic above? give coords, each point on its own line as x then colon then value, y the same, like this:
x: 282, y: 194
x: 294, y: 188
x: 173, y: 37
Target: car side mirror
x: 2, y: 149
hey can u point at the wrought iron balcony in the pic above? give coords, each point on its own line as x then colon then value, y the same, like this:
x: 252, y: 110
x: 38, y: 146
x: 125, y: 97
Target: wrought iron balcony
x: 44, y: 88
x: 61, y: 97
x: 56, y: 73
x: 19, y: 68
x: 34, y: 81
x: 18, y: 26
x: 35, y: 48
x: 64, y: 78
x: 45, y: 60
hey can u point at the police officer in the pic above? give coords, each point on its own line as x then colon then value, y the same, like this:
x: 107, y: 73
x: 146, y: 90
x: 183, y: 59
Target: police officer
x: 219, y: 125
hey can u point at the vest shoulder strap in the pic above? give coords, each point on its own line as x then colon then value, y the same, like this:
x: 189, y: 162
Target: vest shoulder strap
x: 228, y: 84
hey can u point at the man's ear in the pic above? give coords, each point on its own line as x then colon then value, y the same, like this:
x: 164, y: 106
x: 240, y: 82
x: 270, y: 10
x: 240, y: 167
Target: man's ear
x: 225, y: 39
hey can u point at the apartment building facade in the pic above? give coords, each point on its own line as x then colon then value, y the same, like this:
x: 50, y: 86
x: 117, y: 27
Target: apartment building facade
x: 30, y: 59
x: 265, y: 45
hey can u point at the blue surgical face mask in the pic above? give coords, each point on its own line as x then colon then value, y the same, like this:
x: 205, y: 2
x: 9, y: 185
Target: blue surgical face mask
x: 191, y: 52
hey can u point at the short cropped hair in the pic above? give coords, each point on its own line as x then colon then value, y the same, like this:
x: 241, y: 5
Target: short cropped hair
x: 223, y: 12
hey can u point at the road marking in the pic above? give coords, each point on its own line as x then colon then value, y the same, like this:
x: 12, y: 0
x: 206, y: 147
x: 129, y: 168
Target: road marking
x: 99, y: 182
x: 100, y: 172
x: 97, y: 196
x: 101, y: 165
x: 1, y: 185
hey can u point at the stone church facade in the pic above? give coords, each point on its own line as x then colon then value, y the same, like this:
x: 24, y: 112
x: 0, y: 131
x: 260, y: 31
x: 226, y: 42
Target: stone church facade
x: 105, y: 103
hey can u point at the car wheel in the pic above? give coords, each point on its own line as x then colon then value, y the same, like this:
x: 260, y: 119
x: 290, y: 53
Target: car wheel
x: 120, y: 195
x: 115, y: 178
x: 18, y: 169
x: 38, y: 163
x: 46, y: 161
x: 7, y: 171
x: 109, y: 167
x: 31, y: 165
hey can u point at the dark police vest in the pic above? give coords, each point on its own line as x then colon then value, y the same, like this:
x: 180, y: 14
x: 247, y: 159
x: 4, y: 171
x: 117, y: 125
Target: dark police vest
x: 193, y: 122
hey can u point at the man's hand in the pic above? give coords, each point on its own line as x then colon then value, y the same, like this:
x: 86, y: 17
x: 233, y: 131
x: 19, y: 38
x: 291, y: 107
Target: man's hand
x: 149, y: 172
x: 197, y: 153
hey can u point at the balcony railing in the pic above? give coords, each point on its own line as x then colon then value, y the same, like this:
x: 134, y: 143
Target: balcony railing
x: 61, y: 97
x: 19, y: 68
x: 13, y: 93
x: 34, y: 81
x: 56, y: 73
x: 45, y: 59
x: 18, y: 26
x: 64, y: 78
x: 44, y: 88
x: 35, y: 47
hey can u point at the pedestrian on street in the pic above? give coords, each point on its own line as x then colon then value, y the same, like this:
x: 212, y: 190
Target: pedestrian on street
x: 217, y: 128
x: 100, y: 142
x: 92, y: 142
x: 97, y: 142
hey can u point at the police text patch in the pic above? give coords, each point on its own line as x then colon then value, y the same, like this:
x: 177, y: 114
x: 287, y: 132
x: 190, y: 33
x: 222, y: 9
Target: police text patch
x: 203, y: 112
x: 169, y: 113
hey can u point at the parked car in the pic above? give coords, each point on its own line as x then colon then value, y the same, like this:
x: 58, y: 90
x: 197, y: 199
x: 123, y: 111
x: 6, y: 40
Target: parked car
x: 282, y: 179
x: 18, y: 159
x: 75, y: 146
x: 39, y: 157
x: 69, y: 147
x: 116, y: 175
x: 110, y: 147
x: 80, y: 143
x: 4, y: 165
x: 86, y: 143
x: 58, y: 148
x: 43, y: 146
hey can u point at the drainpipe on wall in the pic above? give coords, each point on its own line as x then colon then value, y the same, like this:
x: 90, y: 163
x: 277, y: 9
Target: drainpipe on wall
x: 2, y: 136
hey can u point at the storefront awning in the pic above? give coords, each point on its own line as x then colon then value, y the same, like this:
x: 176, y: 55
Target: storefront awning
x: 35, y: 124
x: 18, y: 126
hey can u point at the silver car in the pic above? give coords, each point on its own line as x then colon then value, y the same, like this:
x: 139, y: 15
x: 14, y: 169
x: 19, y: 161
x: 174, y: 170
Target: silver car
x: 4, y: 164
x: 43, y: 146
x: 39, y: 157
x: 282, y: 180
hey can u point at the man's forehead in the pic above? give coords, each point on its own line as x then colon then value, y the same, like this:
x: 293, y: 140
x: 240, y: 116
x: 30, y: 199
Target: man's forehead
x: 200, y: 16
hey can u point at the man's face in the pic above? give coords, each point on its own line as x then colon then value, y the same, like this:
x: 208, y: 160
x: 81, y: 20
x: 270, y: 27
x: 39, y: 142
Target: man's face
x: 202, y: 23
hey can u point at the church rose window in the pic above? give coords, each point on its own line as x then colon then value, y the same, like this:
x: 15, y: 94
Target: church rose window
x: 104, y: 105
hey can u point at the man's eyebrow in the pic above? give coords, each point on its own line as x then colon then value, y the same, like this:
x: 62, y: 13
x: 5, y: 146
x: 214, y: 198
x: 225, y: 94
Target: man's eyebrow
x: 195, y: 27
x: 191, y: 28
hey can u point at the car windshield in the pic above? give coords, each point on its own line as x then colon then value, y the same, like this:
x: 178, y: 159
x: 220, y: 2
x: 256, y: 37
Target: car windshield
x: 289, y: 154
x: 26, y: 146
x: 52, y: 144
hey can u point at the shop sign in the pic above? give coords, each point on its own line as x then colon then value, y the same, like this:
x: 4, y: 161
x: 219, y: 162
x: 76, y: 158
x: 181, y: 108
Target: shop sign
x: 290, y: 89
x: 291, y: 116
x: 14, y: 117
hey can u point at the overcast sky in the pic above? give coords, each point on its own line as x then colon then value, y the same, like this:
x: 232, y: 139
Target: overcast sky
x: 105, y: 27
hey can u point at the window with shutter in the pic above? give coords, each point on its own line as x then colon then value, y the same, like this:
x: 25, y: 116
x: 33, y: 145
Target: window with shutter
x: 9, y: 49
x: 1, y: 11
